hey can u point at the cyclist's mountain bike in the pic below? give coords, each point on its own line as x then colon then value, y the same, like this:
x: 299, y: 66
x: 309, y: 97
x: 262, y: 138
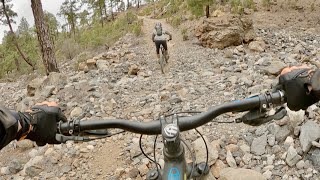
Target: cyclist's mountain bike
x: 170, y: 126
x: 163, y: 60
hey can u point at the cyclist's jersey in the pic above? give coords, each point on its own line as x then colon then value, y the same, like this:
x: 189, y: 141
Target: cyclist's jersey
x: 163, y: 37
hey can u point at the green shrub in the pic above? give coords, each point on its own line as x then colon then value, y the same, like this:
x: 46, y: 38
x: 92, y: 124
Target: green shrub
x: 196, y: 7
x: 249, y: 4
x: 146, y: 11
x: 235, y: 3
x: 98, y: 36
x: 191, y: 18
x: 173, y: 8
x: 176, y: 21
x: 136, y: 28
x: 266, y: 3
x: 237, y: 6
x: 69, y: 48
x: 184, y: 34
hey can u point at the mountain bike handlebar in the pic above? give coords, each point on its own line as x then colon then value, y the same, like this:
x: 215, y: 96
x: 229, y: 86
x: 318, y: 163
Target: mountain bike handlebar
x: 258, y: 102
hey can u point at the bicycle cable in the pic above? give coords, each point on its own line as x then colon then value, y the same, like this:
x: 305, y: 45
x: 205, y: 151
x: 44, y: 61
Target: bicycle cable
x: 192, y: 156
x: 105, y: 136
x: 154, y: 152
x: 207, y: 152
x: 140, y: 144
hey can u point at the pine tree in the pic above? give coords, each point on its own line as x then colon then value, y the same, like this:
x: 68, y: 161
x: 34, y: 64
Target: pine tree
x: 99, y: 9
x: 47, y: 49
x: 52, y: 24
x: 69, y: 10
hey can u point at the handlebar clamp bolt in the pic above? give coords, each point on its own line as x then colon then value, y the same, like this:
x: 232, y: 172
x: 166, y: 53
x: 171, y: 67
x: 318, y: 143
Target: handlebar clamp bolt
x: 264, y: 106
x: 71, y: 132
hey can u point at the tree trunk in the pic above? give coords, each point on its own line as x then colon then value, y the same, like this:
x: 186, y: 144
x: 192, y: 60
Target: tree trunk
x: 111, y: 5
x: 17, y: 64
x: 207, y: 11
x: 128, y: 4
x: 105, y: 11
x: 15, y: 39
x: 101, y: 14
x: 47, y: 49
x: 73, y: 27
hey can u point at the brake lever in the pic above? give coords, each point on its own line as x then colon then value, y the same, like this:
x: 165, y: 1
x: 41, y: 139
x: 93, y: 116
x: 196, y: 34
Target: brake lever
x: 62, y: 138
x: 97, y: 132
x: 256, y: 118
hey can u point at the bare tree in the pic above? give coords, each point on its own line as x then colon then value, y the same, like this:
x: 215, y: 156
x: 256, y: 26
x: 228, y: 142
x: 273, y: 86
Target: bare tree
x: 47, y: 49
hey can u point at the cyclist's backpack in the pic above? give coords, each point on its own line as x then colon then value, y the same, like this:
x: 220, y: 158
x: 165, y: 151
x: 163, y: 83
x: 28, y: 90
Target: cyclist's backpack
x: 158, y: 30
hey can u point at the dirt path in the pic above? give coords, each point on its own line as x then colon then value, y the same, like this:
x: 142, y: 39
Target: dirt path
x: 109, y: 157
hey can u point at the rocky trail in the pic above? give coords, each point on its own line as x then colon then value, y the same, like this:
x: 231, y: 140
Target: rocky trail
x: 125, y: 82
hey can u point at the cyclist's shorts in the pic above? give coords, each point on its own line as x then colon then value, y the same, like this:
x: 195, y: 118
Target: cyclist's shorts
x: 158, y: 43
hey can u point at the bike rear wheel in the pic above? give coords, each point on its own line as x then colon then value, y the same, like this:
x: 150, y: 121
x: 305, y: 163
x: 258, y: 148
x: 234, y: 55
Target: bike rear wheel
x: 162, y: 60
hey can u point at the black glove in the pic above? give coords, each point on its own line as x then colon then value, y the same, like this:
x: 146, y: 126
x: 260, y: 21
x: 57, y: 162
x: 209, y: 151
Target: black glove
x: 43, y: 120
x: 8, y: 126
x: 302, y: 88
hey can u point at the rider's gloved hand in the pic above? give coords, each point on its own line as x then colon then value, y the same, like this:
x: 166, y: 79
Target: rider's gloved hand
x: 301, y: 85
x: 40, y: 124
x: 8, y: 126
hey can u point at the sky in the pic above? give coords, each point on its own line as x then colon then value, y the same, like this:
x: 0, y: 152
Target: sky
x: 23, y: 9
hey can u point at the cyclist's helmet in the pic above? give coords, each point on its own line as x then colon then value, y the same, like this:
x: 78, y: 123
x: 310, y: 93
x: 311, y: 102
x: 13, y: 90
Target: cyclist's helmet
x: 158, y: 25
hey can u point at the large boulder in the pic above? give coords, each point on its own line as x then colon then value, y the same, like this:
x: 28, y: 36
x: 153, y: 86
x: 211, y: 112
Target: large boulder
x: 83, y: 67
x: 56, y: 79
x: 34, y: 85
x: 38, y: 85
x: 258, y: 46
x: 224, y: 31
x: 102, y: 64
x: 110, y: 55
x: 275, y: 67
x: 133, y: 69
x: 91, y: 63
x: 310, y: 131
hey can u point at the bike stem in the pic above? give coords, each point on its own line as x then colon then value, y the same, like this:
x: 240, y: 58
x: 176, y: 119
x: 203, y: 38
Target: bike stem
x: 175, y: 166
x: 173, y: 151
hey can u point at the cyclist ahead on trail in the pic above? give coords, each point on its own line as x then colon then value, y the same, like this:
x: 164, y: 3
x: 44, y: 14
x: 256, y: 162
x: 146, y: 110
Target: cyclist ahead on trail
x: 159, y: 37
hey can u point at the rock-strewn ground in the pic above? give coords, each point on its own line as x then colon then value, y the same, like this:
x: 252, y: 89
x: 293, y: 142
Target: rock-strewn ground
x: 126, y: 82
